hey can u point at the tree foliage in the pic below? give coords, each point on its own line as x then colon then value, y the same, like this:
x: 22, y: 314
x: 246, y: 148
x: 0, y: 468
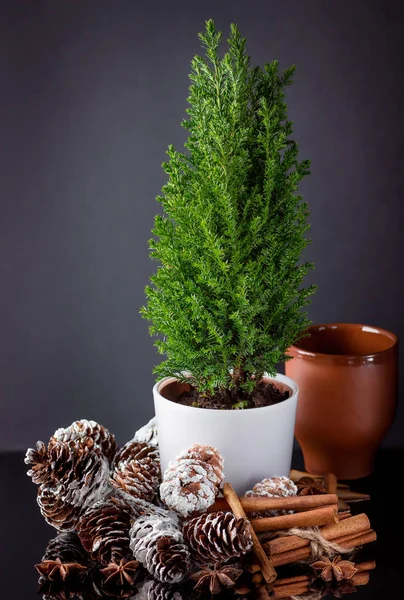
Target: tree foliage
x: 226, y: 301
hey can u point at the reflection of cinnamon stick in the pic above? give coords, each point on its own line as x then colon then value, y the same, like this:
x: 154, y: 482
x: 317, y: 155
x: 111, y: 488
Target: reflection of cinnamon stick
x: 309, y: 518
x: 267, y: 569
x: 286, y: 586
x: 293, y: 589
x: 261, y: 503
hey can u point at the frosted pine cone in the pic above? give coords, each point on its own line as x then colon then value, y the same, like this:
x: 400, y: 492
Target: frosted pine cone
x: 209, y: 455
x: 148, y: 433
x: 39, y: 459
x: 139, y: 478
x: 58, y: 513
x: 158, y: 544
x: 87, y: 429
x: 104, y: 529
x: 217, y: 537
x: 136, y: 451
x: 273, y: 487
x: 74, y: 475
x: 191, y: 483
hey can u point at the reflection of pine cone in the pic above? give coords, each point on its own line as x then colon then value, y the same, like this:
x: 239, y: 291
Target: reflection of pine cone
x: 217, y: 537
x: 74, y: 475
x: 104, y: 529
x: 158, y: 544
x: 136, y: 451
x: 272, y: 487
x: 87, y: 429
x: 63, y: 566
x: 190, y: 484
x: 151, y: 589
x: 139, y: 478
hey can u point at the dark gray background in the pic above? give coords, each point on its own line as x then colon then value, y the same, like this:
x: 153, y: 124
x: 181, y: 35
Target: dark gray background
x: 91, y: 95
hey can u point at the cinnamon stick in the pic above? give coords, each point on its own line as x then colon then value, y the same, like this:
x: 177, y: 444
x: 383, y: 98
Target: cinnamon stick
x: 331, y: 483
x: 261, y: 503
x: 267, y: 569
x: 310, y: 518
x: 285, y: 558
x: 348, y: 527
x: 363, y: 566
x: 361, y: 578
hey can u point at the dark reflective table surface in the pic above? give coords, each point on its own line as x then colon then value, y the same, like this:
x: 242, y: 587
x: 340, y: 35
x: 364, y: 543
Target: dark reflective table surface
x: 24, y: 534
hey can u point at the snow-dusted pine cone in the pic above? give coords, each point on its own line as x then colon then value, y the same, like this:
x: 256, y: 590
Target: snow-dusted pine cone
x: 58, y: 513
x: 190, y: 484
x: 139, y: 478
x: 151, y: 589
x: 272, y: 487
x: 87, y: 429
x: 104, y: 529
x: 133, y: 450
x: 158, y: 544
x: 73, y: 475
x: 217, y: 537
x: 209, y: 455
x: 148, y: 433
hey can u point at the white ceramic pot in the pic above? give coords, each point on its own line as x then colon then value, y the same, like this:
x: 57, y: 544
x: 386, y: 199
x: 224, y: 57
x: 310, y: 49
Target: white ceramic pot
x: 255, y: 442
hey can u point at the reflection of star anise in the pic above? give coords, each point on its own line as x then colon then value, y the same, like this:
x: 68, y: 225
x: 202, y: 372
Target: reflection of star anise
x: 55, y: 570
x: 123, y: 572
x: 337, y: 569
x: 216, y: 578
x: 307, y: 486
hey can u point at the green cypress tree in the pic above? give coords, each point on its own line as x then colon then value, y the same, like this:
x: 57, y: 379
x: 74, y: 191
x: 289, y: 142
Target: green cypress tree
x: 226, y: 300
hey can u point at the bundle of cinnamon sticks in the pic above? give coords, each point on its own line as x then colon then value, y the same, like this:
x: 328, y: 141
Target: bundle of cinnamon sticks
x: 329, y: 512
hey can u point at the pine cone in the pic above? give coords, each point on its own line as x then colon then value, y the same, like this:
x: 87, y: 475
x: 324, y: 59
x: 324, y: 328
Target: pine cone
x: 139, y: 478
x: 217, y: 537
x: 158, y: 544
x: 63, y: 568
x: 151, y: 589
x: 136, y: 451
x: 273, y: 487
x: 209, y: 455
x: 74, y: 475
x: 190, y: 485
x: 104, y: 529
x: 87, y: 429
x: 39, y: 460
x: 58, y: 513
x: 148, y: 433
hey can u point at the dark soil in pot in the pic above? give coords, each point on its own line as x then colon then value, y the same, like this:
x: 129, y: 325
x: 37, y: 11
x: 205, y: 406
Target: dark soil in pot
x: 265, y: 394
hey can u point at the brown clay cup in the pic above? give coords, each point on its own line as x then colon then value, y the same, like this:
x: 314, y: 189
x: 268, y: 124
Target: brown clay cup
x: 348, y: 379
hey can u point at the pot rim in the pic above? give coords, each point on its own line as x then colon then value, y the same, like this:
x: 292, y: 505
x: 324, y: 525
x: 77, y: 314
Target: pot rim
x: 369, y: 357
x: 288, y: 381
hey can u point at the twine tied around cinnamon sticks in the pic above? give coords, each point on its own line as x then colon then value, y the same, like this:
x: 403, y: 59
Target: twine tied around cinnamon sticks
x: 318, y: 545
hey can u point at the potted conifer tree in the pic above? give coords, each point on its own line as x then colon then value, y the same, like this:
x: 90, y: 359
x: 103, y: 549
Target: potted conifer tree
x: 226, y: 301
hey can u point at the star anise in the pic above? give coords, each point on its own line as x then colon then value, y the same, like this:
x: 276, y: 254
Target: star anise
x: 56, y: 570
x: 337, y: 569
x: 307, y: 486
x: 122, y: 571
x: 216, y: 578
